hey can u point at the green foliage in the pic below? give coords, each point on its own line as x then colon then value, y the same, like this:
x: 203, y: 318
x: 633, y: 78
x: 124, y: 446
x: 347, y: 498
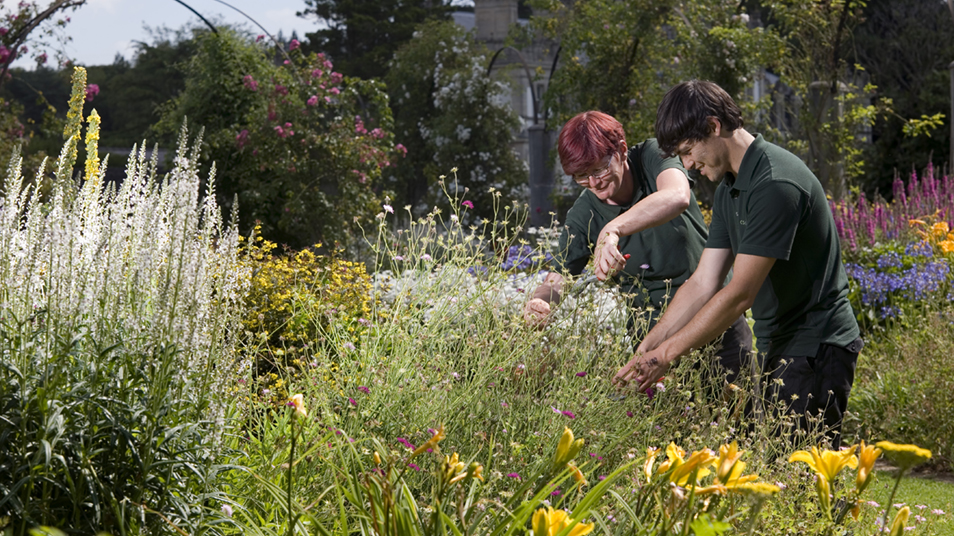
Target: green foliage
x: 450, y: 114
x: 904, y: 382
x: 360, y: 36
x: 621, y: 57
x: 906, y: 48
x: 299, y: 145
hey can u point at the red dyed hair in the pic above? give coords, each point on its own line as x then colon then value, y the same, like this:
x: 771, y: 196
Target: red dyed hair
x: 588, y: 138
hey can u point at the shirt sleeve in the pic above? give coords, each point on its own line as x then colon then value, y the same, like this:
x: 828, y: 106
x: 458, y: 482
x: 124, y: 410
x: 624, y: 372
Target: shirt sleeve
x: 773, y: 215
x: 718, y: 230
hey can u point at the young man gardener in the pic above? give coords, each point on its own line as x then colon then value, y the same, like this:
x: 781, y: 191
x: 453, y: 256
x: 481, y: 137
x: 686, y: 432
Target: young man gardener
x: 772, y: 226
x: 639, y: 221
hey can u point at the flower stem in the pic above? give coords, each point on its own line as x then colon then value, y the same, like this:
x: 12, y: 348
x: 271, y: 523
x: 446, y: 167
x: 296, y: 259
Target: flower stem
x: 887, y: 508
x: 291, y: 462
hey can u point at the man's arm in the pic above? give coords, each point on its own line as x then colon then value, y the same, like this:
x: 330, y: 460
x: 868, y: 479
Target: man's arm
x: 691, y: 297
x: 714, y: 318
x: 670, y: 200
x: 537, y: 310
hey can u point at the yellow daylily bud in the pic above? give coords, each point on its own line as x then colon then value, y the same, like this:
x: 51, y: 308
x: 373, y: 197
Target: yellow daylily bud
x: 377, y: 458
x: 476, y: 471
x: 897, y: 528
x: 430, y: 443
x: 650, y: 459
x: 728, y: 457
x: 867, y: 455
x: 577, y: 475
x: 822, y: 488
x: 567, y: 449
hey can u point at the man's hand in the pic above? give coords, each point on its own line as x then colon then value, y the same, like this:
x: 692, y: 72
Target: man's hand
x: 536, y: 313
x: 643, y: 370
x: 607, y: 259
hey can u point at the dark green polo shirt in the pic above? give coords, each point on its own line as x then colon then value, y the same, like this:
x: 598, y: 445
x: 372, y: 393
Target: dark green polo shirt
x: 776, y: 208
x: 669, y: 252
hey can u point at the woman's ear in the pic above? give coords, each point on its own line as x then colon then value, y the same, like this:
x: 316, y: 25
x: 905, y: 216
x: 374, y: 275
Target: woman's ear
x: 622, y: 146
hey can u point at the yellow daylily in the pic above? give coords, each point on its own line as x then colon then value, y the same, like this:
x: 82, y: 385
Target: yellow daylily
x: 897, y: 528
x: 675, y: 457
x: 577, y: 475
x: 567, y: 449
x: 694, y: 465
x: 298, y: 402
x: 651, y: 453
x: 430, y: 443
x: 827, y: 463
x: 453, y: 469
x: 867, y: 455
x: 476, y: 471
x: 728, y: 458
x: 906, y: 456
x: 762, y: 489
x: 940, y: 229
x: 549, y: 522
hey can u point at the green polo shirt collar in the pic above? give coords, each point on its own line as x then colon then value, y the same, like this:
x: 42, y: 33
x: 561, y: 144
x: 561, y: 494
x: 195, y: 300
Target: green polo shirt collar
x: 747, y: 168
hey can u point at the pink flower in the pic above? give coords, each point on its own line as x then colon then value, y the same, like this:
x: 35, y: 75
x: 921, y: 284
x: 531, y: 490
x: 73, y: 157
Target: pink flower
x: 313, y: 100
x: 353, y: 402
x: 412, y: 466
x: 250, y: 82
x: 281, y: 90
x: 91, y: 91
x: 259, y: 38
x: 568, y: 414
x: 280, y: 131
x: 403, y: 149
x: 316, y: 73
x: 334, y: 91
x: 4, y: 54
x: 294, y: 44
x: 581, y: 374
x: 466, y: 203
x: 41, y: 59
x: 3, y: 31
x: 513, y: 475
x: 242, y: 138
x: 327, y: 98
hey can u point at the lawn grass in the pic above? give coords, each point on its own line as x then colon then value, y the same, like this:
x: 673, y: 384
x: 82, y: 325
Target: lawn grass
x: 914, y: 491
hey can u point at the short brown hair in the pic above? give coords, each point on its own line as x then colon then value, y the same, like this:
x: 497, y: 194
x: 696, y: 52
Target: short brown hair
x: 683, y: 115
x: 586, y: 139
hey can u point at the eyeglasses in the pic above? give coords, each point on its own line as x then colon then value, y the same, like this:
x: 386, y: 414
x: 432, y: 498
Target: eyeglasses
x: 584, y: 179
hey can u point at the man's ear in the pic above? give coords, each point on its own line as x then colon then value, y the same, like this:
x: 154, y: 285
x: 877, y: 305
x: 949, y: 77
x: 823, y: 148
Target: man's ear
x: 715, y: 126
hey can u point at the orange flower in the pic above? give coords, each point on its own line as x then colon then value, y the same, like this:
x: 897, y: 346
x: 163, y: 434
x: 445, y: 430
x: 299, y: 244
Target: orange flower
x: 430, y: 443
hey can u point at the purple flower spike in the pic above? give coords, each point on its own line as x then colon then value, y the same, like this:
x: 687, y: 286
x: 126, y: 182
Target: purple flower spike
x: 514, y: 475
x: 412, y: 466
x: 581, y: 374
x: 352, y: 402
x: 568, y: 414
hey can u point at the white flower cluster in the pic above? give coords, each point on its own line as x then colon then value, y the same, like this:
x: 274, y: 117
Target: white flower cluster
x: 149, y: 264
x: 451, y: 293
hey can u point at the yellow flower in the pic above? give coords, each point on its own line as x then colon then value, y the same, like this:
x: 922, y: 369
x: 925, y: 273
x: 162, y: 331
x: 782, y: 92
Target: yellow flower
x: 695, y: 465
x: 867, y: 455
x: 675, y: 457
x: 377, y: 458
x: 827, y: 463
x: 577, y: 475
x: 897, y: 528
x: 906, y: 456
x: 823, y: 489
x: 650, y: 459
x: 914, y: 222
x: 298, y: 401
x: 567, y: 449
x: 451, y: 467
x: 761, y: 489
x: 476, y: 471
x: 728, y: 458
x: 940, y: 229
x: 550, y: 522
x: 430, y: 443
x: 947, y: 246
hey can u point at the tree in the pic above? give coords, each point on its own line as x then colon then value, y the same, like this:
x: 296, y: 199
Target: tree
x: 361, y: 35
x: 906, y: 47
x: 621, y: 57
x: 450, y: 114
x: 300, y: 145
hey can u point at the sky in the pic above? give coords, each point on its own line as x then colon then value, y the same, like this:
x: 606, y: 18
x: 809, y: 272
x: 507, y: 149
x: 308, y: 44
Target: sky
x: 102, y: 28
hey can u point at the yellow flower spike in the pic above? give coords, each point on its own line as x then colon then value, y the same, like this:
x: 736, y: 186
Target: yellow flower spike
x: 906, y: 456
x: 823, y: 488
x: 867, y: 455
x: 728, y: 458
x: 550, y: 522
x: 827, y: 463
x: 651, y: 453
x: 897, y: 528
x: 697, y: 464
x: 298, y: 402
x: 430, y: 443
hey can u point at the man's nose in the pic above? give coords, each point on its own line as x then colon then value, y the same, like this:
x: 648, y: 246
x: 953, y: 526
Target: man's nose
x: 688, y: 162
